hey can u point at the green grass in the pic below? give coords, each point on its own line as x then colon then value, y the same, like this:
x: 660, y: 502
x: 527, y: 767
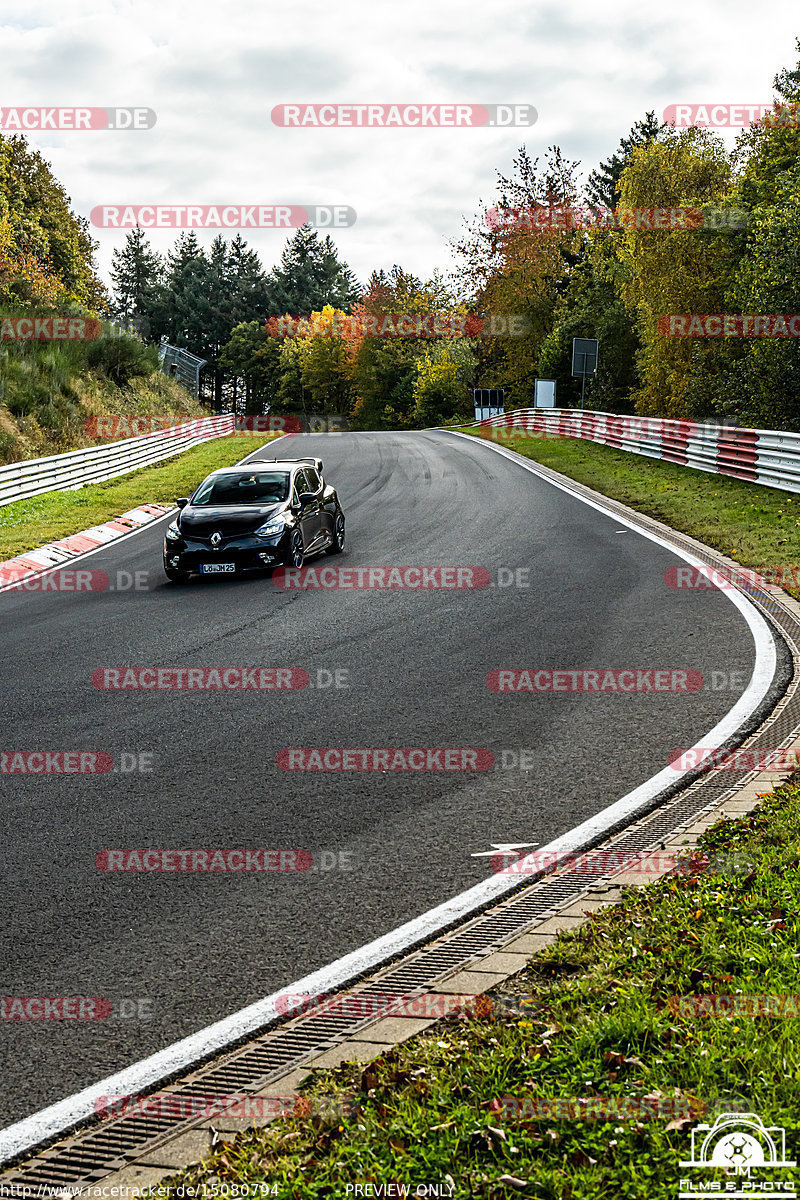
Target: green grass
x: 758, y: 526
x: 48, y: 389
x: 46, y: 518
x: 599, y: 1025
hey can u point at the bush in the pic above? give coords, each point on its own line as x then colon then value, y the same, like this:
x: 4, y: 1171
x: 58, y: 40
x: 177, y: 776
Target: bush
x: 122, y: 358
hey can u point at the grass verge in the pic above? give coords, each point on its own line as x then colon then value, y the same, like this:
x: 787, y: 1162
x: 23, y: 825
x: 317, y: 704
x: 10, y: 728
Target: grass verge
x: 757, y: 526
x: 53, y: 515
x: 599, y: 1021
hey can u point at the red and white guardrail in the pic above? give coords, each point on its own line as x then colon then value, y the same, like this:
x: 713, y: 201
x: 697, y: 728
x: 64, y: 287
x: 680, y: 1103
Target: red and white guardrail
x: 766, y: 456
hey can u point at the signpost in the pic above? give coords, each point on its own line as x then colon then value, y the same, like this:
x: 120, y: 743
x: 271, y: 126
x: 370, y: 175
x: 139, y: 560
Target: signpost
x: 584, y: 359
x: 544, y: 393
x: 489, y: 402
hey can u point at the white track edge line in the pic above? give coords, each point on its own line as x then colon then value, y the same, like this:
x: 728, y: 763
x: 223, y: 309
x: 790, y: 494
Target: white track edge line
x: 180, y: 1056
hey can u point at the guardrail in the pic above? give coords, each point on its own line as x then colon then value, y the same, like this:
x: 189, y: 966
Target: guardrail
x: 65, y: 472
x: 767, y: 456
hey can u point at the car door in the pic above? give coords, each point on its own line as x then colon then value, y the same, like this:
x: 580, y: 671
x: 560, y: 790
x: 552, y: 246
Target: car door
x: 325, y: 521
x: 309, y: 517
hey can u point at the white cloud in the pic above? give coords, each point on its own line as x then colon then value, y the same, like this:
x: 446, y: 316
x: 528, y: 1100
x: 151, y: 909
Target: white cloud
x: 213, y: 74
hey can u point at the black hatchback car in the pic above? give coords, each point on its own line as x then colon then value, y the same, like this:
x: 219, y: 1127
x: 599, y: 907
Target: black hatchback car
x: 254, y: 516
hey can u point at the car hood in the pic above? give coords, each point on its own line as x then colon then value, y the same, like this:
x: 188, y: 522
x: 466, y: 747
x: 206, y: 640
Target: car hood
x: 227, y: 519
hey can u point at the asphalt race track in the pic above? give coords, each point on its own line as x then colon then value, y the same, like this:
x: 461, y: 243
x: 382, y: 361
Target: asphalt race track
x: 200, y: 946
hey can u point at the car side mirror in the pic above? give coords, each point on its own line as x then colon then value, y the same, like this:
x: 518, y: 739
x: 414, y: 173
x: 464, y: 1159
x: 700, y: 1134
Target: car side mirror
x: 181, y: 502
x: 306, y: 498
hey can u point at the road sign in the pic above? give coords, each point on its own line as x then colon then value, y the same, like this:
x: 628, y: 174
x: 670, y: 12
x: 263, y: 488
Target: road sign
x: 584, y: 359
x: 544, y: 393
x: 584, y: 356
x: 489, y: 402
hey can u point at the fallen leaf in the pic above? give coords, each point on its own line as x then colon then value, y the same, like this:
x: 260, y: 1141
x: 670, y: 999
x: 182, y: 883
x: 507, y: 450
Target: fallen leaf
x: 496, y: 1133
x: 679, y: 1123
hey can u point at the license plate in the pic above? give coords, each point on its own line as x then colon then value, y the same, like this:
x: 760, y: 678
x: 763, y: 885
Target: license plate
x: 216, y: 568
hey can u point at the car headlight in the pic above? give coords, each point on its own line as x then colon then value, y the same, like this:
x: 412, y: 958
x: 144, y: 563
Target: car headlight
x: 273, y: 528
x: 172, y: 533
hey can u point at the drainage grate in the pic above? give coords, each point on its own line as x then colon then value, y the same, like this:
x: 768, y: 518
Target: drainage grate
x: 98, y: 1151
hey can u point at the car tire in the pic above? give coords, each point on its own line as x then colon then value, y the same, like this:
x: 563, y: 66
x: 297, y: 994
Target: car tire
x: 176, y: 576
x: 296, y: 551
x: 337, y: 545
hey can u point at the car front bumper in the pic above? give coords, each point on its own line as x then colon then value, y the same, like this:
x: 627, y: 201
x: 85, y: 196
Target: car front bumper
x: 246, y: 553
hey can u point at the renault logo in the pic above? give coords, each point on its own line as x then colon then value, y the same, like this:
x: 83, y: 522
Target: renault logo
x: 216, y: 540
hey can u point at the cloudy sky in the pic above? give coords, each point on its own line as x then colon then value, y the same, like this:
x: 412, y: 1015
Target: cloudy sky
x: 213, y: 74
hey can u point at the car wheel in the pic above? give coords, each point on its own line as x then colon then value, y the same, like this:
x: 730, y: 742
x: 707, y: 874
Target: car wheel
x: 337, y: 545
x: 296, y: 551
x: 176, y: 576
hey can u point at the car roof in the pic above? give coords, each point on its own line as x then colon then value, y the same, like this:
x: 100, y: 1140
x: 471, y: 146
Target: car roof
x: 249, y: 468
x: 269, y: 464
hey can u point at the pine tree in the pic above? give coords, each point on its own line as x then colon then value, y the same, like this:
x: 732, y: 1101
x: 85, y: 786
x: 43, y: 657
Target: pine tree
x: 602, y: 188
x: 136, y: 274
x: 309, y: 276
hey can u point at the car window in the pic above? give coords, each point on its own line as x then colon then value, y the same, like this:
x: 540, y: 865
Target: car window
x: 260, y: 487
x: 301, y: 483
x: 314, y: 483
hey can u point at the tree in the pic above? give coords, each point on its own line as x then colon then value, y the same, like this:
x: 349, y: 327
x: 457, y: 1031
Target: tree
x: 251, y: 354
x: 673, y: 271
x: 309, y: 276
x: 136, y: 274
x: 291, y: 393
x: 763, y: 384
x: 771, y: 147
x: 444, y: 375
x: 518, y: 268
x: 45, y: 240
x: 324, y: 365
x: 383, y: 370
x: 603, y: 186
x: 591, y: 308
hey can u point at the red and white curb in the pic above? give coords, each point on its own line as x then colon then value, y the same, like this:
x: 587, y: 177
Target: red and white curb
x: 33, y: 562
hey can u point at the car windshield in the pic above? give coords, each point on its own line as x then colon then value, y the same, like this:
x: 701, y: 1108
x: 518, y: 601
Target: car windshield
x: 259, y: 488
